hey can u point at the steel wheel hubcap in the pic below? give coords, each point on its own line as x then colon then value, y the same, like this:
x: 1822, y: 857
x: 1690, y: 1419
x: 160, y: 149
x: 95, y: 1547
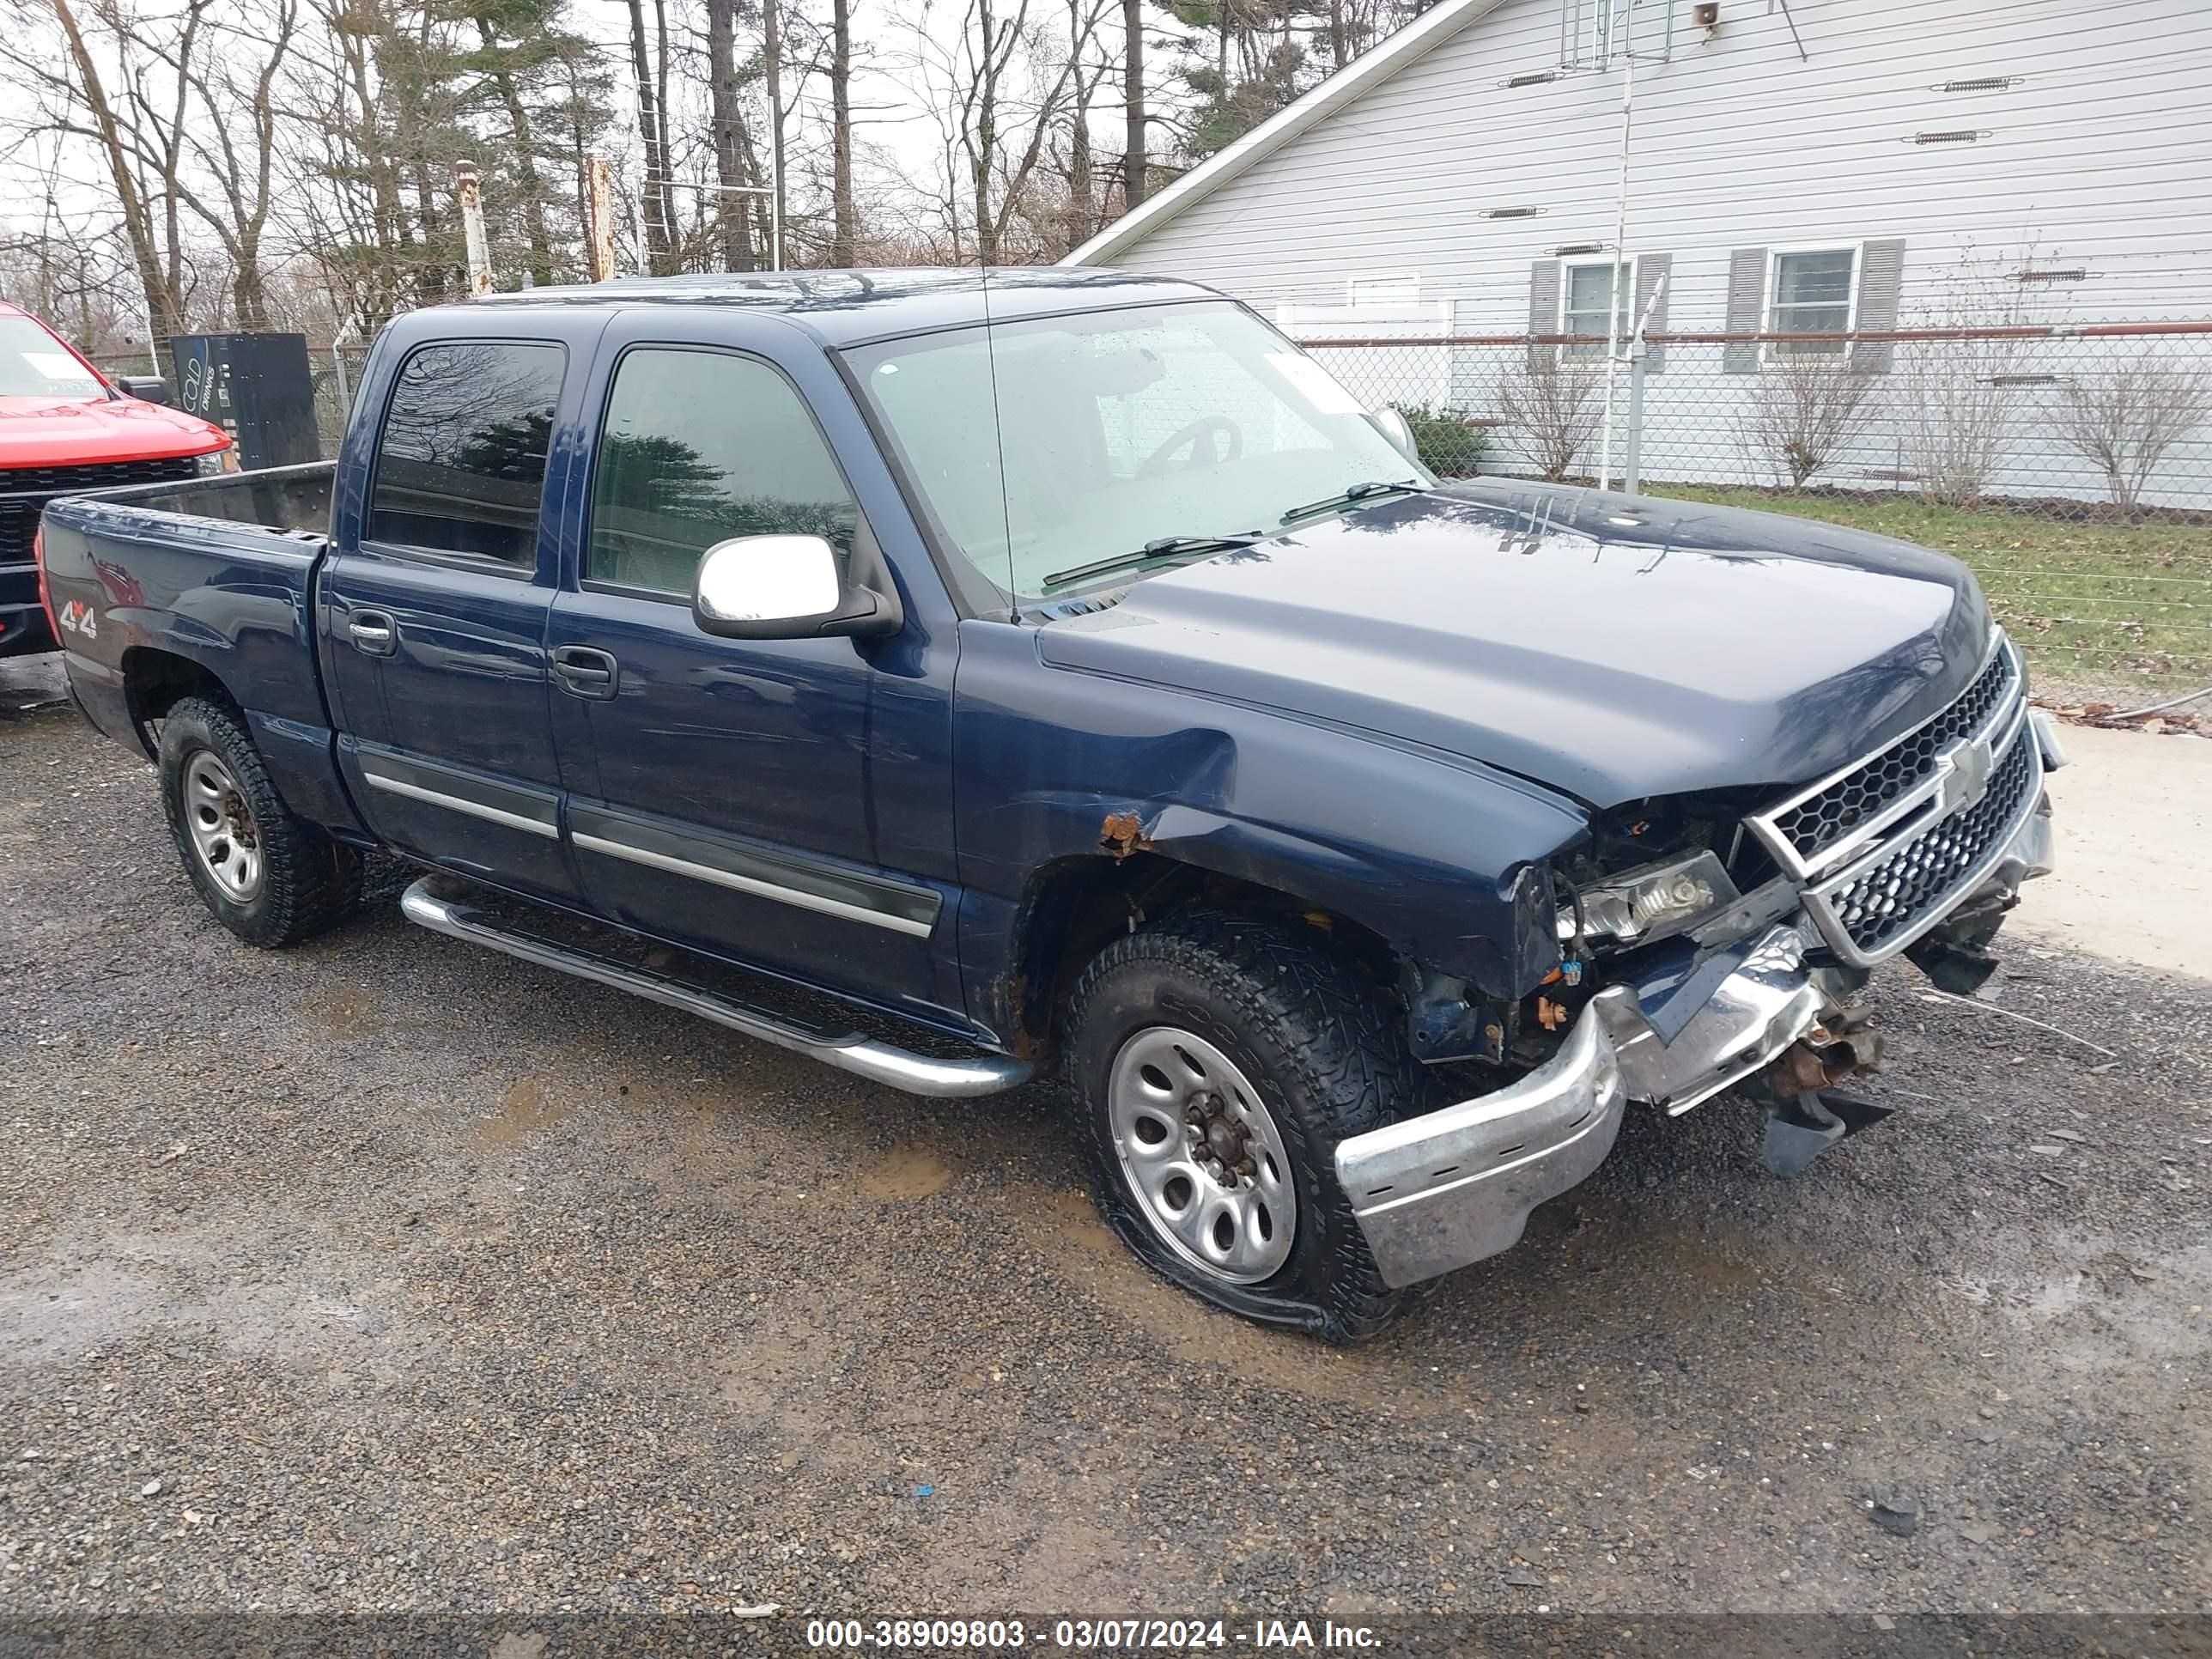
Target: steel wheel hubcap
x: 1201, y: 1155
x: 223, y: 832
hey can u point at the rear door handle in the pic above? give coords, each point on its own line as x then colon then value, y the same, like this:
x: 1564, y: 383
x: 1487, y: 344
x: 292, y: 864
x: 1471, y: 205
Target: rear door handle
x: 584, y: 673
x: 374, y: 632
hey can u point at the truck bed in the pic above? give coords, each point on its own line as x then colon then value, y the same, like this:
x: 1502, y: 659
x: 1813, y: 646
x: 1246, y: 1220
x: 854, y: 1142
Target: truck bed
x: 294, y: 499
x: 217, y: 577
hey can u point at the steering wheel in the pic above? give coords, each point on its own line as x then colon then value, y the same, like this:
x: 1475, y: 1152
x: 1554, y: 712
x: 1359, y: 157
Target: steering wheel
x: 1205, y: 427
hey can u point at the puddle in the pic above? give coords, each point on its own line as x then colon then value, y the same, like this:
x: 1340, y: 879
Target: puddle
x: 282, y: 1297
x: 524, y: 1110
x: 905, y: 1175
x: 2096, y: 1305
x: 346, y: 1010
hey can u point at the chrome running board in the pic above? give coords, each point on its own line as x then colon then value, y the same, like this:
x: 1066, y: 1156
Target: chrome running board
x: 917, y: 1074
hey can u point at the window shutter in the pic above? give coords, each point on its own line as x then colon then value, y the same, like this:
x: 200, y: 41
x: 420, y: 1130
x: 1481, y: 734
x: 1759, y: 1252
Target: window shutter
x: 1747, y: 308
x: 1881, y: 272
x: 1650, y: 269
x: 1543, y: 310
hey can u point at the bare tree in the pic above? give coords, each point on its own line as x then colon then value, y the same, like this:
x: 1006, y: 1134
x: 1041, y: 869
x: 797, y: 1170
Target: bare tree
x: 650, y: 66
x: 118, y: 115
x: 779, y: 157
x: 734, y: 166
x: 1552, y: 406
x: 1805, y: 410
x: 1957, y: 392
x: 844, y: 214
x: 250, y: 60
x: 2123, y: 420
x: 998, y: 90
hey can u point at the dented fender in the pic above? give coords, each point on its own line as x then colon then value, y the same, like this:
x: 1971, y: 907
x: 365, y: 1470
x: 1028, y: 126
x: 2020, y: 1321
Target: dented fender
x: 1433, y: 852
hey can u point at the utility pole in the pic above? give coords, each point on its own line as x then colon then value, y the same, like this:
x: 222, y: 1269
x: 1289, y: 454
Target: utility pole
x: 1617, y: 40
x: 1133, y: 103
x: 468, y: 195
x: 598, y: 217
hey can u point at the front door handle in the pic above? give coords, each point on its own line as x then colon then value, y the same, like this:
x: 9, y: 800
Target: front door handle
x: 374, y: 632
x: 584, y: 673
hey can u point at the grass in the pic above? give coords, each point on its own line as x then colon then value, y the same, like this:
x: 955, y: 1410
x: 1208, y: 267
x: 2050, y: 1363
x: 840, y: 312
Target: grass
x: 2098, y: 607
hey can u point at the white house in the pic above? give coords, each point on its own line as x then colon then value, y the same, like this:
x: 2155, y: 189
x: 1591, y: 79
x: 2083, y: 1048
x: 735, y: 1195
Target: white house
x: 1824, y: 167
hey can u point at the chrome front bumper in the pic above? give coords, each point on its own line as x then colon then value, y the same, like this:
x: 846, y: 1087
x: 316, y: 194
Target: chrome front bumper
x: 1437, y: 1192
x: 1451, y: 1187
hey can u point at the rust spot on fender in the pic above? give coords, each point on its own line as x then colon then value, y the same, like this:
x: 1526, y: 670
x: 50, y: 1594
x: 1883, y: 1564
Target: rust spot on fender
x: 1122, y: 834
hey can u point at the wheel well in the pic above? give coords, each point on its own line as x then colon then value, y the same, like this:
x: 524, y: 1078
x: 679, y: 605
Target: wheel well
x: 1075, y: 906
x: 155, y: 680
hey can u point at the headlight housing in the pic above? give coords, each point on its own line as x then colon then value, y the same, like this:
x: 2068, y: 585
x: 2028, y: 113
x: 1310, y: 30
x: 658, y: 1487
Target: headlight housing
x: 1652, y: 902
x: 215, y: 462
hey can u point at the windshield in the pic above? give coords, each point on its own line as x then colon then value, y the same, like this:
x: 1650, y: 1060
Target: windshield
x: 1120, y: 430
x: 34, y: 364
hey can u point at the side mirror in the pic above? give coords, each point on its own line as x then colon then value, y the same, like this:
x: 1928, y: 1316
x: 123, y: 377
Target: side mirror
x: 1394, y: 428
x: 784, y: 587
x: 146, y: 388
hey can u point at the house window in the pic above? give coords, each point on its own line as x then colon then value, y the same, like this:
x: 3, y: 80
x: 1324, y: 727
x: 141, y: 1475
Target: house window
x: 1809, y: 292
x: 1584, y: 294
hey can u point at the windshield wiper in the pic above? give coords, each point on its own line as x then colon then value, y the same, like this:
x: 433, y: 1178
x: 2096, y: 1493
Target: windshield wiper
x: 1359, y: 492
x: 1164, y: 547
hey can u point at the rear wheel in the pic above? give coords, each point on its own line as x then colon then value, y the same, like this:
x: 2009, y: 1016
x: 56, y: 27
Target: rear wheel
x: 271, y: 877
x: 1219, y: 1059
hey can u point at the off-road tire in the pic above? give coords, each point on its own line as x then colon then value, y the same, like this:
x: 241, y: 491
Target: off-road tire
x: 1323, y: 1044
x: 310, y: 883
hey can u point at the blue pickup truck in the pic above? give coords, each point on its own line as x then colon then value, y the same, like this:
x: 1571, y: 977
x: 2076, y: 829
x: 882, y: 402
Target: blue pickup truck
x: 966, y: 681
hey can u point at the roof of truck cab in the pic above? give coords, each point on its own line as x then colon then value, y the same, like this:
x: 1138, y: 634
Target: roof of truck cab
x: 846, y: 307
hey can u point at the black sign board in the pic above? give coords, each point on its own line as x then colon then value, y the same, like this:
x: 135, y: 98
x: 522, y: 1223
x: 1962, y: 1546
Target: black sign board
x: 258, y: 387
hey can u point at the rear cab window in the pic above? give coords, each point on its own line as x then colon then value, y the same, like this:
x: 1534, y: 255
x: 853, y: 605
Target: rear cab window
x: 460, y: 464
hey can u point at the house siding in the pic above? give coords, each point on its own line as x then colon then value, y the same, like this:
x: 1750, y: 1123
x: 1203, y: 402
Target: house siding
x: 2098, y: 156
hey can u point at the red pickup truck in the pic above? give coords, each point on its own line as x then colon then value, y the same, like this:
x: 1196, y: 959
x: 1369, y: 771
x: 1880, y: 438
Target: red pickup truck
x: 65, y: 429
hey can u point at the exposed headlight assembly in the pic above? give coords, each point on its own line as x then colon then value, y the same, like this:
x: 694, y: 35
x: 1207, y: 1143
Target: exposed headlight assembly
x: 1653, y: 901
x: 216, y: 462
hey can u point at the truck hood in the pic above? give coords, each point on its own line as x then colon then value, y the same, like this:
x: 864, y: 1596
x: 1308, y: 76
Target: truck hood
x: 85, y: 431
x: 1613, y: 647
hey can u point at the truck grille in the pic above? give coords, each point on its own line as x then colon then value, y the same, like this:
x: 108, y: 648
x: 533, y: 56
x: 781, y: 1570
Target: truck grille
x: 1883, y: 848
x: 1877, y: 905
x: 25, y: 490
x: 1813, y: 823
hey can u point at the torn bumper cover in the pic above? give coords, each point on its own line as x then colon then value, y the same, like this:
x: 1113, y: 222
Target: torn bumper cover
x: 1451, y: 1187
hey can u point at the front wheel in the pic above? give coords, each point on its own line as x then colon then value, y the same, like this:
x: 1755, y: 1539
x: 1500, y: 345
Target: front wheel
x: 272, y: 878
x: 1217, y: 1061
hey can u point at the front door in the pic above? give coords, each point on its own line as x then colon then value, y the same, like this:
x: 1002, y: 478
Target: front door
x: 435, y: 614
x: 726, y: 801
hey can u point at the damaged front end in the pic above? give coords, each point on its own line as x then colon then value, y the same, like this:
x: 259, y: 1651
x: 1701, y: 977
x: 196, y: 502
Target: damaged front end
x: 1703, y: 949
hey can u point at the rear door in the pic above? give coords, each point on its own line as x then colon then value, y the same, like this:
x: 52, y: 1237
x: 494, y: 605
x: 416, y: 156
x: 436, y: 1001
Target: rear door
x: 434, y: 603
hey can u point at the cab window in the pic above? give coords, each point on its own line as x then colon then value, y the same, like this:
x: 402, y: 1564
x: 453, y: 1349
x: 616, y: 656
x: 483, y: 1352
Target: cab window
x: 461, y: 465
x: 698, y: 446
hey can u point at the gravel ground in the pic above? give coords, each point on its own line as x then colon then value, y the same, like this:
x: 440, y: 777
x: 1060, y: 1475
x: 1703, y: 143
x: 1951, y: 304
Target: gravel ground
x: 389, y: 1274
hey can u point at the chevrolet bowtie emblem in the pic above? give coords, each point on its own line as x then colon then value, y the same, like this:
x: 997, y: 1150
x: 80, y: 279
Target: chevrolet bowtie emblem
x: 1964, y: 771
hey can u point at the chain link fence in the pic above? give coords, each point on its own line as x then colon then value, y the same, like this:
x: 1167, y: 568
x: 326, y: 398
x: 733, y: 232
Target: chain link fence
x: 335, y: 371
x: 2070, y: 468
